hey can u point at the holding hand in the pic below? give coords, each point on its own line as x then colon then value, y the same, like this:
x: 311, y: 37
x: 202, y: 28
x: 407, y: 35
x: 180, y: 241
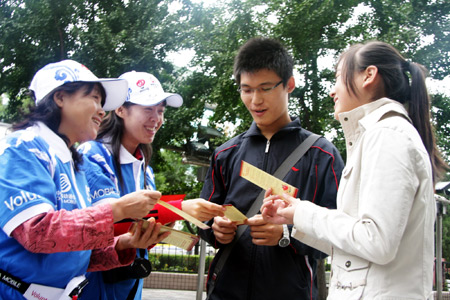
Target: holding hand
x: 135, y: 205
x: 201, y: 209
x: 224, y: 230
x: 264, y: 233
x: 277, y: 209
x: 142, y: 238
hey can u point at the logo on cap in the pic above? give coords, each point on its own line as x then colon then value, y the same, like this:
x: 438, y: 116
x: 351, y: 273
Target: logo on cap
x: 140, y: 83
x: 62, y: 74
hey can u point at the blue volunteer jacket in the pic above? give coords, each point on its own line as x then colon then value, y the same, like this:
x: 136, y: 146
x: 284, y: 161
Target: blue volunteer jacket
x: 37, y: 176
x: 269, y: 272
x: 104, y: 186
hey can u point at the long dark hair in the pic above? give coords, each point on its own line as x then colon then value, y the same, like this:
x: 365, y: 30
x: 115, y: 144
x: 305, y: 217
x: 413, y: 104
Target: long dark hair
x: 113, y: 128
x: 404, y: 82
x: 47, y: 112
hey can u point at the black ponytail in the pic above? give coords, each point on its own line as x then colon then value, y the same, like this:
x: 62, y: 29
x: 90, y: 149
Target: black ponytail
x: 404, y: 82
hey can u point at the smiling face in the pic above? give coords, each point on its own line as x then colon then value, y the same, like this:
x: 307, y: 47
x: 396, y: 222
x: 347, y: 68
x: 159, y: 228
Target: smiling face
x: 344, y: 99
x: 268, y: 109
x: 81, y: 114
x: 140, y: 124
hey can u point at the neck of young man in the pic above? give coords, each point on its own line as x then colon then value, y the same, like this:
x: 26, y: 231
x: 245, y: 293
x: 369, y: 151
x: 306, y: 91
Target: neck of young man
x: 270, y: 130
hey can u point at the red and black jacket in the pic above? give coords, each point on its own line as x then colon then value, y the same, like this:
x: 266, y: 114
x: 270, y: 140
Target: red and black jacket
x: 269, y: 272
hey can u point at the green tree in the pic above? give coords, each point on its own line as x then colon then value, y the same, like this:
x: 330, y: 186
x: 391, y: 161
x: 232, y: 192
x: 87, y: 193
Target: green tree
x: 174, y: 177
x: 33, y: 33
x: 110, y: 37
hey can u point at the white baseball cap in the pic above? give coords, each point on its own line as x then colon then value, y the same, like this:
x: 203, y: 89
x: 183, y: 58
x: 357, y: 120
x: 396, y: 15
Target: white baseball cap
x: 145, y: 89
x: 56, y: 74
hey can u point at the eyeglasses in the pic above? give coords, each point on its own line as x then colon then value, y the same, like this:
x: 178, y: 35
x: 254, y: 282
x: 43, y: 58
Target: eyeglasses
x: 246, y: 91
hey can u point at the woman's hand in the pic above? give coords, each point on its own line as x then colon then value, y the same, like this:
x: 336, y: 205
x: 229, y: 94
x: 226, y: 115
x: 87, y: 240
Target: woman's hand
x: 279, y: 210
x: 201, y: 209
x: 142, y: 238
x: 135, y: 205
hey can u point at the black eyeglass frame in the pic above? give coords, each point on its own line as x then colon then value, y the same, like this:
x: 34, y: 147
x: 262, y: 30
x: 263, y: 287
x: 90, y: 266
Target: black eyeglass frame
x: 263, y: 89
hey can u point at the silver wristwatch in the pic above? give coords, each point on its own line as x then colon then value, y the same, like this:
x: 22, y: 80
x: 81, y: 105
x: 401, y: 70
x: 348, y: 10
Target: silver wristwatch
x: 285, y: 240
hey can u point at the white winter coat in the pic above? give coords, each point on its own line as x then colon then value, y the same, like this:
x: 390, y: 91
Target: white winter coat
x: 381, y: 236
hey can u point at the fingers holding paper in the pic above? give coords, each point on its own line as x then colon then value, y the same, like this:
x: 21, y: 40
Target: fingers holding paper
x: 134, y: 205
x: 201, y: 209
x: 263, y: 232
x: 279, y: 209
x: 224, y: 230
x: 142, y: 235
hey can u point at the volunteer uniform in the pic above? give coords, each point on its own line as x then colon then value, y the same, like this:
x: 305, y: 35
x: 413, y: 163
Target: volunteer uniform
x: 41, y: 179
x: 104, y: 186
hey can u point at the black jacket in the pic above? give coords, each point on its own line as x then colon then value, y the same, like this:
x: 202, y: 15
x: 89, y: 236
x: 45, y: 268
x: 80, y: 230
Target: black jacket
x: 269, y: 272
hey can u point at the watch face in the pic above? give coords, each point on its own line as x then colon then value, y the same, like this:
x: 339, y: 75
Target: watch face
x: 284, y: 242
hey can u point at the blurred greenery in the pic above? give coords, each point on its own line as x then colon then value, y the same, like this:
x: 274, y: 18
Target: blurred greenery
x: 177, y: 263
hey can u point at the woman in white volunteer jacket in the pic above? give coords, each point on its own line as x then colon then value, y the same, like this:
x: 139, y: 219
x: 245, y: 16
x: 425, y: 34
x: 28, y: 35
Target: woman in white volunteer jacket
x: 381, y: 236
x: 50, y: 235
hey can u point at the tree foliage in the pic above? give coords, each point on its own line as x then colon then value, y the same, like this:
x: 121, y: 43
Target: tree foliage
x: 115, y: 36
x: 110, y: 37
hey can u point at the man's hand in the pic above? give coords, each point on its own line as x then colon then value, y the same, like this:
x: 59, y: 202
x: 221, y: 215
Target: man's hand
x: 224, y: 230
x: 263, y: 233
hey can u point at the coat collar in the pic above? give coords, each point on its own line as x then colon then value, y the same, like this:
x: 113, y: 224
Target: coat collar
x: 369, y: 114
x: 125, y: 156
x: 55, y: 142
x: 360, y: 119
x: 255, y: 131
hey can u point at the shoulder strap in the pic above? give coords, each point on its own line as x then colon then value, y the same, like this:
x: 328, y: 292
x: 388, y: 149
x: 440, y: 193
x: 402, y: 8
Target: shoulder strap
x: 282, y: 170
x: 133, y: 291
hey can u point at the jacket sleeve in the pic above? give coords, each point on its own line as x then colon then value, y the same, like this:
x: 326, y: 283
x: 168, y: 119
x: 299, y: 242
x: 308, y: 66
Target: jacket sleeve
x: 321, y: 188
x: 214, y: 191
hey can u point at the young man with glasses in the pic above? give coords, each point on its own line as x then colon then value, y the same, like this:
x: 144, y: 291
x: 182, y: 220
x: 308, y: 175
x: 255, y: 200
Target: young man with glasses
x: 264, y: 263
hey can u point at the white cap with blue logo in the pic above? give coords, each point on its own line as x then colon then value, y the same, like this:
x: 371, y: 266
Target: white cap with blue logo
x: 56, y: 74
x: 145, y: 89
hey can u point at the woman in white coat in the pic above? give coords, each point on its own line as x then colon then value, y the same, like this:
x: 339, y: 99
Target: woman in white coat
x: 381, y: 236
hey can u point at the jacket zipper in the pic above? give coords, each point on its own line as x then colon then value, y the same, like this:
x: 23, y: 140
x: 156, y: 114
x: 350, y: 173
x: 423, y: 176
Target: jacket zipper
x: 266, y: 155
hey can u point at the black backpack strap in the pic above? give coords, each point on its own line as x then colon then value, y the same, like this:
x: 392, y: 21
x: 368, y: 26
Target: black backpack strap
x: 133, y: 291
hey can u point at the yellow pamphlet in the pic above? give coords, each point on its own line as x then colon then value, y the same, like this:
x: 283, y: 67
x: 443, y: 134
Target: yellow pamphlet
x: 266, y: 181
x: 180, y: 238
x: 233, y: 214
x: 177, y: 238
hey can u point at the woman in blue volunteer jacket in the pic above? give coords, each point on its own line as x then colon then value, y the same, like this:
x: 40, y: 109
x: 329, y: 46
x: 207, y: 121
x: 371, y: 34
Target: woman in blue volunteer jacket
x: 50, y: 236
x: 123, y: 151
